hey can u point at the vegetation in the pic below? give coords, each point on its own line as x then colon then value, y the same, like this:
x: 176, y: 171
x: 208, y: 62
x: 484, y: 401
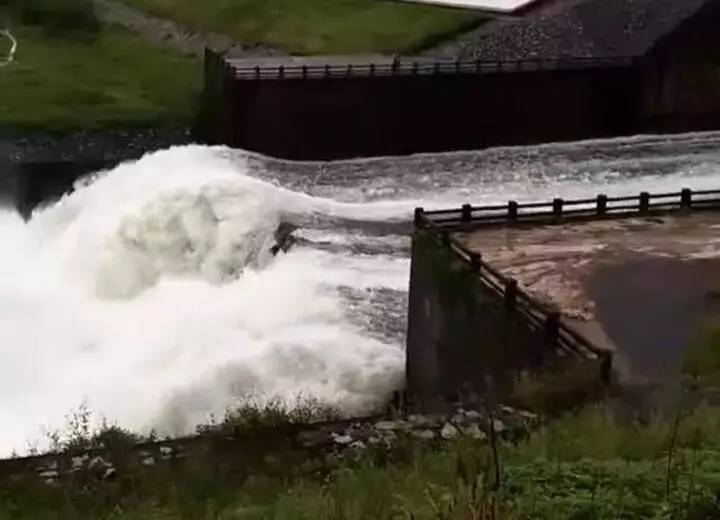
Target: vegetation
x: 71, y: 74
x: 319, y: 26
x: 579, y: 466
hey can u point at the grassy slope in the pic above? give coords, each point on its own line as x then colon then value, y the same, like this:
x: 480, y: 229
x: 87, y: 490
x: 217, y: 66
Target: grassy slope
x: 58, y: 83
x: 578, y: 467
x: 318, y: 26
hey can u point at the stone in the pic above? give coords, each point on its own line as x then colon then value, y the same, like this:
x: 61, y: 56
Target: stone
x: 98, y: 462
x: 166, y: 451
x: 425, y: 435
x: 458, y: 418
x: 419, y: 420
x: 449, y: 431
x: 499, y: 426
x: 474, y: 415
x: 49, y: 474
x: 358, y: 445
x: 79, y: 462
x: 108, y: 473
x: 374, y: 440
x: 391, y: 425
x: 342, y: 439
x: 311, y: 438
x: 474, y: 432
x: 148, y: 461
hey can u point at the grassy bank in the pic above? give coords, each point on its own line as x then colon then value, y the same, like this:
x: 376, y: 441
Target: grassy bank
x: 94, y: 80
x: 577, y: 467
x: 319, y: 26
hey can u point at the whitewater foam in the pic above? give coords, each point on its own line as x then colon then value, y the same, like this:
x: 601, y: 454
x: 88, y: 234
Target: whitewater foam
x: 149, y: 293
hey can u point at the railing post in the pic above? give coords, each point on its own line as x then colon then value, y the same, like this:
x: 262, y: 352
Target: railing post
x: 558, y: 207
x: 606, y: 368
x: 445, y: 239
x: 414, y: 67
x: 511, y: 292
x: 644, y: 202
x: 372, y: 69
x: 513, y: 211
x: 419, y: 217
x: 257, y: 72
x: 686, y: 198
x: 327, y: 71
x: 304, y: 71
x: 475, y: 262
x: 601, y: 205
x: 457, y: 66
x: 552, y: 325
x: 349, y: 70
x: 466, y: 213
x: 281, y: 71
x: 436, y: 70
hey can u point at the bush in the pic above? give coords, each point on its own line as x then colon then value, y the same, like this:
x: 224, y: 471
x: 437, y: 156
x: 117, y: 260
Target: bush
x: 63, y: 16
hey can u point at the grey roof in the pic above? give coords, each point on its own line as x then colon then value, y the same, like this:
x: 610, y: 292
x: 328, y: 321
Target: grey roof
x: 583, y: 28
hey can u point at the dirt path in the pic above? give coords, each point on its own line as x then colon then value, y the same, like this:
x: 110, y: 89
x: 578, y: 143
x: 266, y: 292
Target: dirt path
x: 161, y: 30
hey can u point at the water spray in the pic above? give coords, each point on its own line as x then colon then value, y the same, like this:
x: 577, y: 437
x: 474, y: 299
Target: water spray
x: 9, y: 57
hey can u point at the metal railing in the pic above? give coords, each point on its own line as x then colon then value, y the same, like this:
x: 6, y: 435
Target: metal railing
x: 560, y: 210
x: 414, y: 68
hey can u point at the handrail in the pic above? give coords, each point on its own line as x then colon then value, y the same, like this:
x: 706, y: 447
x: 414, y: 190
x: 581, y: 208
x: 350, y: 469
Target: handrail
x: 412, y: 68
x: 556, y: 210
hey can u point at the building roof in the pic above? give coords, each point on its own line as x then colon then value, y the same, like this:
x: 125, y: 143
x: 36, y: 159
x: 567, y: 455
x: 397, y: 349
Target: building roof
x: 583, y: 28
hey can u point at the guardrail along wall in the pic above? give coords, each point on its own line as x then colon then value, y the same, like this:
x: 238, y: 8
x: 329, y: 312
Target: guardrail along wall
x: 469, y: 324
x: 341, y: 111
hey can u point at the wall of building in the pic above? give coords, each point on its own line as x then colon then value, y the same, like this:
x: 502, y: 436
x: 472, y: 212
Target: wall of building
x: 681, y: 77
x: 355, y: 117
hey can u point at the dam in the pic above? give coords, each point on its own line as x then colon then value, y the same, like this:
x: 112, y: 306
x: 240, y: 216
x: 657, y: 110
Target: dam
x: 147, y: 242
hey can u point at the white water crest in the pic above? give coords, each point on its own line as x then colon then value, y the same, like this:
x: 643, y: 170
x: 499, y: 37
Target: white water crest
x: 149, y: 293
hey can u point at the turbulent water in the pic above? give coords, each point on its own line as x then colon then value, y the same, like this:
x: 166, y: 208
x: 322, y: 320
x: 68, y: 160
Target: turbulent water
x: 149, y: 295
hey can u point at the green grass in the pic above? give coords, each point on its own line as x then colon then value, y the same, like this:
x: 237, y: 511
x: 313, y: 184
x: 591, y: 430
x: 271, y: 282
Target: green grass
x: 319, y: 26
x: 579, y: 466
x: 98, y: 81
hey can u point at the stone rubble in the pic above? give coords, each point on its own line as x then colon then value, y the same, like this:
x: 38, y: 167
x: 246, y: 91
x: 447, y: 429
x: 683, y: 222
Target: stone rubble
x: 334, y: 438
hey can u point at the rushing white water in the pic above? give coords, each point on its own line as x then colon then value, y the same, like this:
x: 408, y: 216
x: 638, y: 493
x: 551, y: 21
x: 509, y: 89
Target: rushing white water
x: 149, y: 293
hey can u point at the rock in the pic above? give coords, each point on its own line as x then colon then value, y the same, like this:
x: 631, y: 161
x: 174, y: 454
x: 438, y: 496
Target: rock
x: 374, y: 440
x: 425, y: 435
x: 474, y: 432
x: 311, y: 438
x: 474, y: 415
x: 166, y: 451
x: 499, y: 426
x: 419, y: 420
x: 391, y: 425
x: 148, y: 461
x: 458, y: 418
x: 98, y: 463
x: 49, y: 474
x: 358, y: 445
x: 79, y: 462
x: 108, y: 473
x: 449, y: 431
x: 342, y: 439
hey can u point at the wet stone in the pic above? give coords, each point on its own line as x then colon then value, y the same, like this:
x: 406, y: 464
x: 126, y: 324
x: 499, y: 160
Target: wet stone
x: 474, y: 432
x: 449, y: 431
x: 423, y: 434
